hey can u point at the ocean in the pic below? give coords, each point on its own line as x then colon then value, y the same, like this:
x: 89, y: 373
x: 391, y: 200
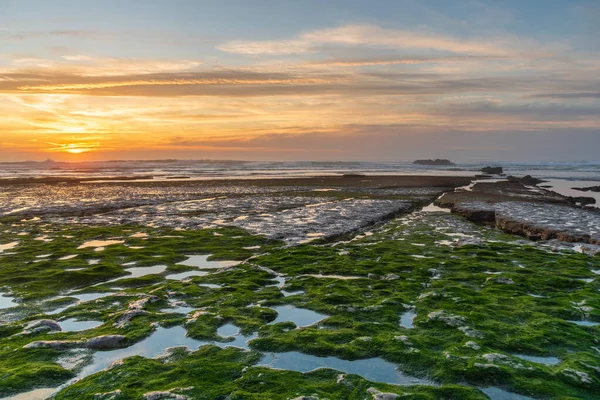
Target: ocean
x: 561, y: 176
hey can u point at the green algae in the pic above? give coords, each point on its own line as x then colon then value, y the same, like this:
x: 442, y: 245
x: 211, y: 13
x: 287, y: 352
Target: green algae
x: 469, y: 323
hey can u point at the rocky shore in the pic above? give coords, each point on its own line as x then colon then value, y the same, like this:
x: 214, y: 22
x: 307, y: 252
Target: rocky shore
x: 527, y: 210
x: 313, y: 288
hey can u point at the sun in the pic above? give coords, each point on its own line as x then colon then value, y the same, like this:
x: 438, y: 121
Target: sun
x: 74, y: 148
x: 77, y: 150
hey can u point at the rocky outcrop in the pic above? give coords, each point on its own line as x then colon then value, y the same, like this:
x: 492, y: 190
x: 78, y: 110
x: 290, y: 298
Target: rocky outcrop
x: 437, y: 161
x: 492, y: 170
x: 105, y: 342
x: 482, y: 213
x: 526, y: 180
x: 583, y: 200
x: 588, y: 189
x: 135, y: 308
x: 54, y: 344
x: 42, y: 325
x: 163, y: 395
x: 378, y: 395
x: 536, y: 221
x: 115, y: 394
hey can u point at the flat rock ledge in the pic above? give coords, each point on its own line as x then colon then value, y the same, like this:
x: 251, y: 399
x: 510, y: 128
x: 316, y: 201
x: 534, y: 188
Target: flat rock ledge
x: 105, y: 342
x: 536, y: 221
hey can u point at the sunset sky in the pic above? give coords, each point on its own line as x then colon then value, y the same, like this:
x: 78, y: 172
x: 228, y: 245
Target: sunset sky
x: 300, y: 80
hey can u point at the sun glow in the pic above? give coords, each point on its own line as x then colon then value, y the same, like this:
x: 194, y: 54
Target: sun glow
x: 77, y: 150
x: 74, y: 148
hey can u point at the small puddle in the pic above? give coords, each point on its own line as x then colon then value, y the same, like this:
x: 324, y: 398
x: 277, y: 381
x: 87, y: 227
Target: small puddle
x: 8, y: 246
x: 99, y: 243
x: 228, y: 330
x: 280, y: 279
x: 7, y: 301
x: 82, y: 298
x: 537, y: 296
x: 299, y: 316
x: 69, y: 257
x: 539, y: 360
x: 373, y: 369
x: 585, y: 323
x: 152, y: 346
x: 139, y: 235
x: 138, y: 272
x: 342, y: 277
x: 210, y: 285
x: 179, y: 309
x: 407, y: 318
x: 182, y: 275
x: 288, y: 294
x: 200, y: 261
x: 72, y: 325
x: 495, y: 393
x: 37, y: 394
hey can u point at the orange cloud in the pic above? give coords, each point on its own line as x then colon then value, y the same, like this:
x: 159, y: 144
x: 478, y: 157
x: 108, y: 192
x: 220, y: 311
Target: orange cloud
x: 160, y: 82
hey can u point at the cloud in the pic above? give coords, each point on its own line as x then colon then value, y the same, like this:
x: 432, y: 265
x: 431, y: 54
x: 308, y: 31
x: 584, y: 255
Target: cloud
x: 63, y: 87
x: 374, y: 36
x: 284, y: 47
x: 390, y: 60
x: 569, y: 95
x: 244, y: 83
x: 82, y: 34
x: 84, y: 65
x: 74, y: 148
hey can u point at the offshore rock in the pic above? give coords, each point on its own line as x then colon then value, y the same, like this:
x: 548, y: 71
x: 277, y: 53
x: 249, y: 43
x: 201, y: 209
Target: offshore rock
x: 437, y: 161
x: 492, y: 170
x: 526, y: 180
x: 588, y: 189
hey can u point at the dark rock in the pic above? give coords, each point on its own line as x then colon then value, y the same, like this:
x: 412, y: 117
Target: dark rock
x: 492, y: 170
x: 53, y: 344
x: 583, y: 201
x: 46, y: 324
x: 437, y: 161
x: 526, y: 180
x: 588, y: 189
x: 475, y: 214
x: 529, y: 180
x: 354, y: 175
x: 105, y: 342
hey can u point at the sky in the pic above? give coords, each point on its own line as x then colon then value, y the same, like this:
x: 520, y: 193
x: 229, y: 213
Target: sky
x: 468, y: 80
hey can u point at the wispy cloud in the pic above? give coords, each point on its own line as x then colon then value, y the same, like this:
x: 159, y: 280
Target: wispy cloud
x: 29, y: 35
x: 84, y: 65
x: 374, y: 36
x: 173, y: 82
